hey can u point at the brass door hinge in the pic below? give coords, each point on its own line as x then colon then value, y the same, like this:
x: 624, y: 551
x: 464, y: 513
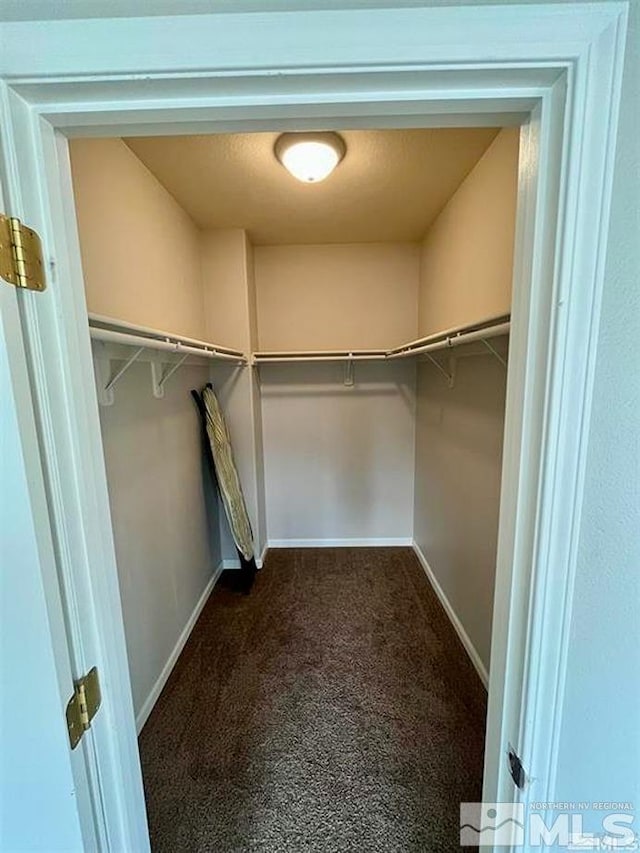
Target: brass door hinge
x: 20, y: 255
x: 83, y: 706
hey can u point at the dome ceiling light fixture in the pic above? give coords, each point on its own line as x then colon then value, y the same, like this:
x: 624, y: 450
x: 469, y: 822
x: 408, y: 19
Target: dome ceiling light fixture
x: 310, y: 157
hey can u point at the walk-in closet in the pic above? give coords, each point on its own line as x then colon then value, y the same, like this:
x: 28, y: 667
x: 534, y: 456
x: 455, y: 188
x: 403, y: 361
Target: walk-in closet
x: 355, y: 331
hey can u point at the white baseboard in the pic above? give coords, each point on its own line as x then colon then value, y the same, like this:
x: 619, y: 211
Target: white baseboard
x: 338, y: 543
x: 475, y: 658
x: 156, y: 690
x: 234, y: 562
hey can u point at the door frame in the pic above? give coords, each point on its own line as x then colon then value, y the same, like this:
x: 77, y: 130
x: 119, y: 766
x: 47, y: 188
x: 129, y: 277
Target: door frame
x: 555, y: 69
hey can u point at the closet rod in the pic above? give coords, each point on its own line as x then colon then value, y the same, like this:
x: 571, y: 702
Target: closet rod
x: 467, y: 328
x: 303, y: 353
x: 319, y: 358
x: 158, y: 334
x: 109, y: 336
x: 456, y: 340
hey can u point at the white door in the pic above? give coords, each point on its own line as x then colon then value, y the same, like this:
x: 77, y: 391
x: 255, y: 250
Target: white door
x: 44, y: 796
x: 90, y: 798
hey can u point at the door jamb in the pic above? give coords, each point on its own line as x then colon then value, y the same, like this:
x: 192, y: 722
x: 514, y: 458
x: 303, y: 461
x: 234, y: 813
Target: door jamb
x: 560, y: 251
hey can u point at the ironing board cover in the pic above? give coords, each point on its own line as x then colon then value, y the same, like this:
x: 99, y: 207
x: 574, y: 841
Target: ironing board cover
x: 228, y: 480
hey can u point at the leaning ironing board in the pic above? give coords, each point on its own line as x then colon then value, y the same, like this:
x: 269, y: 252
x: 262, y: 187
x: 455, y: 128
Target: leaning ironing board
x: 221, y: 455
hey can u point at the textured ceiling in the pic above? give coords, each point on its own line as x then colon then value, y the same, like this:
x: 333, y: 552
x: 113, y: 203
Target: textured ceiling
x: 390, y: 186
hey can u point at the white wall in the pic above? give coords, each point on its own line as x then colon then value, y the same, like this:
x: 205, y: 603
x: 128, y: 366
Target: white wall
x: 229, y: 293
x: 355, y: 296
x: 599, y: 748
x: 338, y: 461
x: 260, y: 499
x: 165, y: 517
x: 140, y: 250
x: 465, y: 276
x: 459, y: 434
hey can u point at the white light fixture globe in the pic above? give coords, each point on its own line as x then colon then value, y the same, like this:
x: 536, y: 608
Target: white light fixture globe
x: 310, y: 157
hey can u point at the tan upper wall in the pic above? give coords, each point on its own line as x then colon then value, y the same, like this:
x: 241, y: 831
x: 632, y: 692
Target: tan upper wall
x: 140, y: 251
x: 360, y: 296
x: 467, y: 254
x: 146, y: 262
x: 227, y: 278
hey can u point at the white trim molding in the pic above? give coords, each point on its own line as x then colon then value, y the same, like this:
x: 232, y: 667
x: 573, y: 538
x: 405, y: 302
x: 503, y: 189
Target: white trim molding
x: 465, y: 639
x: 554, y: 68
x: 147, y: 707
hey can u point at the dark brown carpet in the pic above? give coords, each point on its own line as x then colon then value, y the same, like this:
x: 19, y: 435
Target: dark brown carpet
x: 333, y: 709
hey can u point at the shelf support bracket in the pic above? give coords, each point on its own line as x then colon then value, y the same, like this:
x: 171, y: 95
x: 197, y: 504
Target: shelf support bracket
x: 348, y: 373
x: 120, y: 373
x: 450, y: 377
x: 159, y: 378
x: 106, y: 382
x: 494, y: 352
